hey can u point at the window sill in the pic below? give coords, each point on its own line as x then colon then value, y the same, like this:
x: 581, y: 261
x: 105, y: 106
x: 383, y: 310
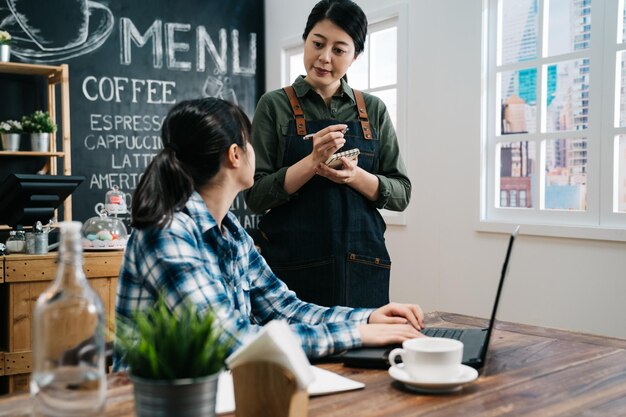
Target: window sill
x: 568, y: 232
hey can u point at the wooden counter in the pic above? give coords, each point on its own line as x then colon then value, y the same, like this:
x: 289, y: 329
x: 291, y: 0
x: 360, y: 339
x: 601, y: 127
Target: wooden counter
x: 22, y: 279
x: 530, y: 371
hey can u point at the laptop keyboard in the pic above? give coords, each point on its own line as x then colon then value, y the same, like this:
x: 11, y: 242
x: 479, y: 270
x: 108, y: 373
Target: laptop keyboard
x: 447, y: 333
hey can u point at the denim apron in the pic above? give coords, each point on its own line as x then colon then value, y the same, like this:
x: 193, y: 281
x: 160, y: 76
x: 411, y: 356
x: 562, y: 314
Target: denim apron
x: 327, y: 243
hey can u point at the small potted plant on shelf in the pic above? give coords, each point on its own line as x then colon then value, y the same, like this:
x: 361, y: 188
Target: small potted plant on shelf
x: 174, y: 359
x: 40, y: 126
x: 5, y: 46
x: 11, y: 131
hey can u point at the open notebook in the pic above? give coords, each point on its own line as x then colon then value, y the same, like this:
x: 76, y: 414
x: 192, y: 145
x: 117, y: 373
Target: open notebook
x: 277, y: 343
x: 325, y: 382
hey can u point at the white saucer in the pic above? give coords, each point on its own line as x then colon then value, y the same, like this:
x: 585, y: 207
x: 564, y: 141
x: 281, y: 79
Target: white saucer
x: 465, y: 376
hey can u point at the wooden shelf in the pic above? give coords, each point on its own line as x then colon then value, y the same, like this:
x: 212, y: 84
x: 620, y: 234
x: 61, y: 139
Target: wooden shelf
x: 57, y: 78
x: 30, y: 69
x: 30, y: 153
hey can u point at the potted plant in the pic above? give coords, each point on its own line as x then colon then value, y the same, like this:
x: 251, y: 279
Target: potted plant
x: 5, y: 46
x: 40, y: 126
x: 10, y: 131
x: 174, y: 359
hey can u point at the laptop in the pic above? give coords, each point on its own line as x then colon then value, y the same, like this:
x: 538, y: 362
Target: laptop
x: 475, y: 341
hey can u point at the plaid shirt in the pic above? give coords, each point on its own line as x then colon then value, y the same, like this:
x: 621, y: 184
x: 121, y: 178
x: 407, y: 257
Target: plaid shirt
x: 192, y: 259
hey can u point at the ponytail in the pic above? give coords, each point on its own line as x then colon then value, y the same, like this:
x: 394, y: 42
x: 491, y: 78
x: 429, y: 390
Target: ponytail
x: 163, y: 189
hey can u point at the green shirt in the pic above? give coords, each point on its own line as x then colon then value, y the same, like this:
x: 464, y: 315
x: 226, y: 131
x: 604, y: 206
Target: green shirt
x: 269, y: 135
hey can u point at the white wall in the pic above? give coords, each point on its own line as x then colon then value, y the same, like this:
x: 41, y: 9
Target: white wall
x: 439, y: 260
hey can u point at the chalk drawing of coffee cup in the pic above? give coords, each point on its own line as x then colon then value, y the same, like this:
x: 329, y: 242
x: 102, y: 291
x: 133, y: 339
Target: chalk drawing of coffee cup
x: 57, y: 29
x: 229, y: 94
x: 212, y: 87
x: 215, y: 87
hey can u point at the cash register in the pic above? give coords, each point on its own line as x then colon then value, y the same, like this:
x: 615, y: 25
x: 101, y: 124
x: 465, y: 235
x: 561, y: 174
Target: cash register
x: 26, y: 199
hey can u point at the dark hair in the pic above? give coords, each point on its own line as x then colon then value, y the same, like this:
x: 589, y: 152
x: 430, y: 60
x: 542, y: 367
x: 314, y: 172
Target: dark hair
x: 344, y: 13
x: 196, y: 135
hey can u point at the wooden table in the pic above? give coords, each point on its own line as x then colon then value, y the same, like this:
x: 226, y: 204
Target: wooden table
x: 532, y: 371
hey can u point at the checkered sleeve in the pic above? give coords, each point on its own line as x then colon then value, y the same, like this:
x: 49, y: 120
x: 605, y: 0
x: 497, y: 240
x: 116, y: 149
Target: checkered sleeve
x: 172, y: 264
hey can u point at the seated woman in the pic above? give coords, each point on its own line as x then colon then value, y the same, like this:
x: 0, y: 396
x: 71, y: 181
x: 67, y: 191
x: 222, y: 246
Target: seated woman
x: 188, y: 246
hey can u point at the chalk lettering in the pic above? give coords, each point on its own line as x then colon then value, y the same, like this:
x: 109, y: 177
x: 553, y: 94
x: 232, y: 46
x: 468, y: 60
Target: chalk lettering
x: 110, y: 141
x: 111, y: 88
x: 132, y: 160
x: 249, y: 221
x: 135, y: 123
x: 237, y: 69
x: 205, y: 43
x: 172, y: 46
x: 128, y: 33
x: 125, y: 181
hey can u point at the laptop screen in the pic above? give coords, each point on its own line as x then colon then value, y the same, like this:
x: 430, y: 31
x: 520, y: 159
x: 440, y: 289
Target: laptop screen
x: 505, y: 267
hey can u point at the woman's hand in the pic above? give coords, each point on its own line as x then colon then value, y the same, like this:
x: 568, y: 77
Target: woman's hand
x: 385, y: 334
x: 344, y: 175
x: 365, y: 183
x: 326, y: 142
x: 396, y: 313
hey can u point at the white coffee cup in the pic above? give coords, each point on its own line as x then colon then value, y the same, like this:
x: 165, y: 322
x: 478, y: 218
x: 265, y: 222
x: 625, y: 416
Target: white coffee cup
x: 429, y: 358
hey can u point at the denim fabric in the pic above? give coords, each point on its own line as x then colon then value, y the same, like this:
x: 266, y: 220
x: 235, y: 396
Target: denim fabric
x: 327, y: 243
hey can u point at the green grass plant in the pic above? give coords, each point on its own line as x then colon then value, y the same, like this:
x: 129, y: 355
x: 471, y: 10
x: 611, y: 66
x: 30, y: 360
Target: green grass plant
x: 164, y: 345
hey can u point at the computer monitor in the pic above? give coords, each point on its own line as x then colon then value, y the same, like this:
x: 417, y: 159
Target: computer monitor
x: 25, y: 198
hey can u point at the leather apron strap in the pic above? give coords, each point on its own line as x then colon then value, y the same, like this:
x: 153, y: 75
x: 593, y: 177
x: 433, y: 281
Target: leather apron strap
x: 365, y: 123
x: 298, y: 114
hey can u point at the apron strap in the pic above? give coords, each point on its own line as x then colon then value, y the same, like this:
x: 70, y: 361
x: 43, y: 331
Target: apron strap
x: 365, y: 123
x: 298, y: 114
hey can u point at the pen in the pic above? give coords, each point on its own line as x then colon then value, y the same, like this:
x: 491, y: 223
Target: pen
x: 310, y: 135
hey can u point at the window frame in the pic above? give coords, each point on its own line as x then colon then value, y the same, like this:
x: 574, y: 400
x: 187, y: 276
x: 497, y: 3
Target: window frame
x: 598, y: 221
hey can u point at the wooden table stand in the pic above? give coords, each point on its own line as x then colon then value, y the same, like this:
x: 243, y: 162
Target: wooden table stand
x: 266, y: 389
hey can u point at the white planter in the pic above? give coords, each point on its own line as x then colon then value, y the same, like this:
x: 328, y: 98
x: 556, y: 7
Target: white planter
x: 11, y: 141
x: 5, y: 53
x: 40, y: 142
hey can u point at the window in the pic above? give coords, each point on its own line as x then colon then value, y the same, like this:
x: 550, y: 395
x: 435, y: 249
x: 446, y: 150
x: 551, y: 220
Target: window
x: 294, y: 65
x: 504, y: 198
x: 380, y: 70
x: 554, y: 136
x: 376, y: 70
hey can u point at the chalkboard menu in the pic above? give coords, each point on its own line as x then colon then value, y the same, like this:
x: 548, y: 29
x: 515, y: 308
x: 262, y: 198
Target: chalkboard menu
x: 129, y: 62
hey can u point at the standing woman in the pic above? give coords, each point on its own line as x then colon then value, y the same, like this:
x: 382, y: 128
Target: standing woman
x: 323, y: 234
x: 188, y: 246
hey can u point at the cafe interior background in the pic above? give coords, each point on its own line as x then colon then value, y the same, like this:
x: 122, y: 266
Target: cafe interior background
x: 567, y: 270
x: 448, y: 246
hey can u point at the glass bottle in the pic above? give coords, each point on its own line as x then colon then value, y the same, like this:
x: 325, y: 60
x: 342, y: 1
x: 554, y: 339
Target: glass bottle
x: 69, y: 376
